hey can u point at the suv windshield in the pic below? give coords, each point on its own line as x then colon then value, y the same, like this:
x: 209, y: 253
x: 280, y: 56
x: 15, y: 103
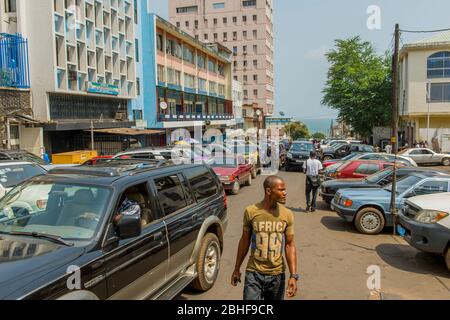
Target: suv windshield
x: 404, y: 184
x: 12, y: 175
x: 299, y: 147
x: 69, y: 211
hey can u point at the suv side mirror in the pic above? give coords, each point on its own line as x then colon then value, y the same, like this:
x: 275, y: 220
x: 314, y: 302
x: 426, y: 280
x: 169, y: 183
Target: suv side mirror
x: 129, y: 226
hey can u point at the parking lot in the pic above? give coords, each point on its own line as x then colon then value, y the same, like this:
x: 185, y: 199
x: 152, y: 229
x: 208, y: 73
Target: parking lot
x: 333, y: 256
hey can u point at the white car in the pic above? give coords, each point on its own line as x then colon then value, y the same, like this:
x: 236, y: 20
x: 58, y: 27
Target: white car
x: 427, y: 156
x: 13, y: 173
x: 424, y: 222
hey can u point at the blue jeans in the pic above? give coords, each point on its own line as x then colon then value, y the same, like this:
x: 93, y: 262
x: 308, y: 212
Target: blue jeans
x: 264, y: 287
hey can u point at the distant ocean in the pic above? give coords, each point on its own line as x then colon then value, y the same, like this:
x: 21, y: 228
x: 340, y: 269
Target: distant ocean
x: 318, y: 125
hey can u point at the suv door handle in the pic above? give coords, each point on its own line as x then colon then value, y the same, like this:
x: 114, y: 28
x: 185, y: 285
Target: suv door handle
x: 158, y: 236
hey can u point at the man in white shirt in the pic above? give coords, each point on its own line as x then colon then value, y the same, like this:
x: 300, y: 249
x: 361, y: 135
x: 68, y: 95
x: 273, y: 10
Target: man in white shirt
x: 313, y: 168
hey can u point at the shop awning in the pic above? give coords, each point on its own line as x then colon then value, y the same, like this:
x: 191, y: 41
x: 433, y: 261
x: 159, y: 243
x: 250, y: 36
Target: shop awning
x: 128, y: 131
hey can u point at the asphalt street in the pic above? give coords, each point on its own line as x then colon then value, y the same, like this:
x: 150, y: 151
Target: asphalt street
x: 333, y: 257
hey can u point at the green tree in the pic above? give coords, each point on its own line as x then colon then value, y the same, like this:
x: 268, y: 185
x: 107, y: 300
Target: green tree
x: 318, y: 136
x: 359, y: 85
x: 297, y: 130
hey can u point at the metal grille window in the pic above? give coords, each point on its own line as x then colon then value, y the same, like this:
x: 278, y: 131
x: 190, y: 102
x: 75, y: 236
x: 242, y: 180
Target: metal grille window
x: 439, y: 65
x: 249, y: 3
x: 187, y: 9
x: 10, y: 6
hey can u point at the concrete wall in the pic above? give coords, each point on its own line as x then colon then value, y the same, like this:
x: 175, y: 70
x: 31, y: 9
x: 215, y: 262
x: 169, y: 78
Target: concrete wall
x: 31, y: 139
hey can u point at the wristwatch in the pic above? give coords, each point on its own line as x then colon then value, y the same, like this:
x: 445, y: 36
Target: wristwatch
x: 295, y: 276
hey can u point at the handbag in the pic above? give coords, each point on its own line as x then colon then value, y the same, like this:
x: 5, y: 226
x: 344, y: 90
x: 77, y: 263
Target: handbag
x: 315, y: 181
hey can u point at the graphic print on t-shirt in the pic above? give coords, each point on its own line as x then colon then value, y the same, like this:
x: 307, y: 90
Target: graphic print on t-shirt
x: 267, y: 240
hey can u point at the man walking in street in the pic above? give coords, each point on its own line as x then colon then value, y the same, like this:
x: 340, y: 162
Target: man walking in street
x: 268, y: 226
x: 313, y: 168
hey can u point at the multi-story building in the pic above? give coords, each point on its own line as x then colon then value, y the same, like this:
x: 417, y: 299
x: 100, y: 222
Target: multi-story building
x: 277, y: 124
x: 246, y: 28
x: 82, y: 67
x: 424, y: 99
x: 186, y: 82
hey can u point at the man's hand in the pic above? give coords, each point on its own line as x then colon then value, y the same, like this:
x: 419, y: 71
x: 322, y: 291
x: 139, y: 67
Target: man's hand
x: 292, y: 288
x: 236, y: 278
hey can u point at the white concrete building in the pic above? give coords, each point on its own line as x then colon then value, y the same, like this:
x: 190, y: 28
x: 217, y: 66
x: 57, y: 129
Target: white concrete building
x: 237, y: 103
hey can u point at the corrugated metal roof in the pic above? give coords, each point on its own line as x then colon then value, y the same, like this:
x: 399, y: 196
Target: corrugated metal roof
x: 437, y: 38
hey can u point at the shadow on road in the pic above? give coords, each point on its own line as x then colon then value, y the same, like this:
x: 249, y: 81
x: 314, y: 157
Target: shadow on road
x: 337, y: 224
x: 406, y: 258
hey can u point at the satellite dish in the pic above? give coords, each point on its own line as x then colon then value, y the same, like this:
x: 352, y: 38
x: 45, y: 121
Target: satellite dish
x: 163, y: 105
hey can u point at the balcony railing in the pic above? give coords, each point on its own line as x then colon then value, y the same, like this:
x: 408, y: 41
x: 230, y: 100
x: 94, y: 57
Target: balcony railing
x: 14, y: 64
x: 195, y: 117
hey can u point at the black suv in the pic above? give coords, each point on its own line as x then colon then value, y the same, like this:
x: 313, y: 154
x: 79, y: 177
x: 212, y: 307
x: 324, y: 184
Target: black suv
x: 342, y: 150
x: 119, y: 230
x: 298, y: 154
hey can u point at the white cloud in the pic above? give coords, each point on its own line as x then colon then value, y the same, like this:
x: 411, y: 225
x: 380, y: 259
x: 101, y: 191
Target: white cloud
x: 317, y: 54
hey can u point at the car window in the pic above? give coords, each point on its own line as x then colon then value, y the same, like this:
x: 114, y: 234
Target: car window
x: 415, y: 152
x: 367, y: 168
x: 367, y: 149
x: 426, y: 152
x: 138, y: 195
x: 362, y: 168
x: 431, y: 187
x: 202, y: 183
x: 10, y: 176
x: 26, y: 156
x: 372, y: 157
x: 170, y: 194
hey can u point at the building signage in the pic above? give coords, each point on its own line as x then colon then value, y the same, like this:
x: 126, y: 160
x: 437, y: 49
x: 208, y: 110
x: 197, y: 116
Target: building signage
x: 103, y: 88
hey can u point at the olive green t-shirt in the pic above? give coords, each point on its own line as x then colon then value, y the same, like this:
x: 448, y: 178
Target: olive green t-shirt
x: 269, y: 232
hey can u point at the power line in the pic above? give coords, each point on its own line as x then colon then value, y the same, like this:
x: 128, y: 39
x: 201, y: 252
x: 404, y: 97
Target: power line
x: 424, y: 31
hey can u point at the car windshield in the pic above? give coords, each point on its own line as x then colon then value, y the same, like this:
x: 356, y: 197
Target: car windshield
x: 299, y: 147
x: 404, y: 184
x: 26, y: 156
x: 68, y: 211
x: 11, y: 176
x: 350, y: 157
x: 377, y: 177
x: 225, y: 162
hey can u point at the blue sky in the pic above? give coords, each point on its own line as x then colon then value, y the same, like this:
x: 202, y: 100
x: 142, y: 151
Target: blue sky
x: 306, y: 29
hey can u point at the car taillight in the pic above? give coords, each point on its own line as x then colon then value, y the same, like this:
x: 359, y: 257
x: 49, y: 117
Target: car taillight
x: 41, y: 204
x: 232, y: 178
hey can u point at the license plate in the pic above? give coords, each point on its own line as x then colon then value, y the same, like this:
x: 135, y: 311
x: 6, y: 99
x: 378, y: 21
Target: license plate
x: 299, y: 161
x: 401, y: 231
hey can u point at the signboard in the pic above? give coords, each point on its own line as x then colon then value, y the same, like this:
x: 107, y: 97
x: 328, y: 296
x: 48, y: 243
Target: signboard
x: 394, y: 139
x: 103, y: 88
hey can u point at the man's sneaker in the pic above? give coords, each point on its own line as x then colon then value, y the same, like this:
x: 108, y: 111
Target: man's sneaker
x: 313, y: 209
x: 308, y: 209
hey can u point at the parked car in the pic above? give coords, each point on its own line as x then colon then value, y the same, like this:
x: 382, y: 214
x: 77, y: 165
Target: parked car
x: 13, y: 173
x: 374, y: 156
x: 343, y: 150
x: 169, y: 236
x: 281, y: 155
x: 427, y: 156
x: 356, y: 169
x: 377, y: 180
x: 298, y: 154
x: 233, y: 172
x: 424, y: 222
x: 21, y: 155
x: 180, y: 154
x: 369, y: 209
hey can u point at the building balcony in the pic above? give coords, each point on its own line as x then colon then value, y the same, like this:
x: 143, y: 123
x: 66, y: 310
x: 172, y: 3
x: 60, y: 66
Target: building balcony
x: 194, y: 117
x: 14, y: 64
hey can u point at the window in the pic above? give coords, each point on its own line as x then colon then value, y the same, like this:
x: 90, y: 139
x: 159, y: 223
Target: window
x: 221, y: 90
x: 367, y: 168
x: 235, y: 78
x: 187, y: 24
x: 255, y: 93
x: 244, y: 18
x: 178, y: 24
x: 234, y: 20
x: 234, y: 36
x: 249, y: 3
x: 440, y: 92
x: 215, y: 21
x: 255, y: 49
x: 225, y: 20
x: 202, y: 183
x: 137, y: 114
x: 138, y: 86
x: 215, y: 36
x: 255, y: 18
x: 159, y: 42
x: 161, y: 74
x: 235, y: 50
x: 189, y: 81
x: 187, y: 9
x: 220, y: 5
x: 201, y: 61
x: 245, y: 94
x: 255, y: 34
x: 10, y: 6
x: 244, y: 34
x: 212, y: 66
x: 196, y: 24
x: 244, y: 49
x: 245, y: 78
x: 235, y: 64
x: 137, y: 49
x: 221, y: 69
x: 255, y: 77
x: 170, y: 194
x: 245, y: 63
x: 201, y: 84
x: 188, y: 54
x: 431, y: 187
x: 255, y: 63
x: 206, y: 36
x: 225, y: 36
x: 439, y: 65
x: 212, y: 87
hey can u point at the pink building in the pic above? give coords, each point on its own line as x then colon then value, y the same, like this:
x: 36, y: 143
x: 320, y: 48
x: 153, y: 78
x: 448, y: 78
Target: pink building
x: 246, y: 28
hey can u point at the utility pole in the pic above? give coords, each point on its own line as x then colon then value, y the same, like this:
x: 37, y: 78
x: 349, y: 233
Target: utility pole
x: 394, y: 138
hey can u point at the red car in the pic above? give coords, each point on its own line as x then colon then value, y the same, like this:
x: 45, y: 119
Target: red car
x: 96, y: 160
x: 357, y: 169
x: 233, y: 173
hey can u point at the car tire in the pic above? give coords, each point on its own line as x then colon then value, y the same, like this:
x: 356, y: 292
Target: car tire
x: 327, y: 158
x: 254, y: 173
x: 446, y: 162
x: 249, y: 181
x: 447, y: 258
x: 370, y: 221
x: 208, y: 263
x: 236, y: 187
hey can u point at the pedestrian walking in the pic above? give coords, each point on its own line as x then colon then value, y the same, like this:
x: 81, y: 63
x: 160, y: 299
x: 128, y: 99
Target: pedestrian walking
x: 313, y: 168
x: 268, y: 226
x: 388, y: 149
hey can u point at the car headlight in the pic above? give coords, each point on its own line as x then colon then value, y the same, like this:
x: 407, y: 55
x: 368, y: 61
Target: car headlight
x: 225, y: 178
x: 289, y: 155
x: 430, y: 216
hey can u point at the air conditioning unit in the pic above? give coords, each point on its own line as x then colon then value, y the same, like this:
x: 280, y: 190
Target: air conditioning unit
x: 121, y: 116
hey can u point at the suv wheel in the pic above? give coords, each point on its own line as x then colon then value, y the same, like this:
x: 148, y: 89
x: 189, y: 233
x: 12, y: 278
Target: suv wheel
x: 208, y: 263
x: 369, y: 221
x: 447, y: 258
x: 446, y: 162
x: 236, y: 187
